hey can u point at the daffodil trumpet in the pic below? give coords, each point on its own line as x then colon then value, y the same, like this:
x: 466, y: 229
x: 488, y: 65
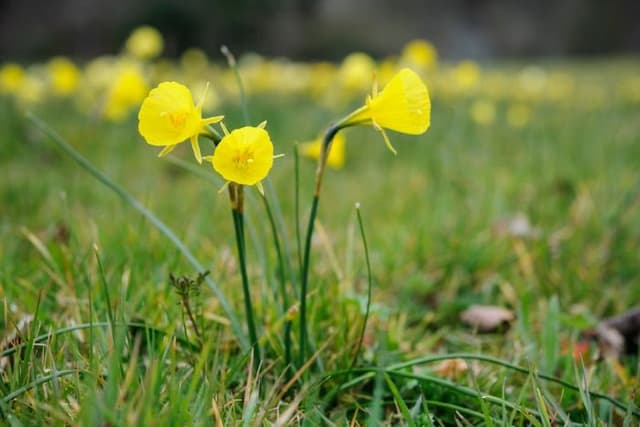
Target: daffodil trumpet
x: 402, y: 106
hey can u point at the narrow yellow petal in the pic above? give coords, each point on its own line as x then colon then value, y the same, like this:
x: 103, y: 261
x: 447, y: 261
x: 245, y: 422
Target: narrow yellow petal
x: 224, y: 187
x: 212, y: 120
x: 386, y: 138
x: 203, y: 96
x: 196, y: 148
x: 262, y: 125
x: 224, y: 129
x: 166, y: 150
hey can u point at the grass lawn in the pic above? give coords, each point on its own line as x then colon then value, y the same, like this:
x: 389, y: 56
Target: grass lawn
x: 542, y: 219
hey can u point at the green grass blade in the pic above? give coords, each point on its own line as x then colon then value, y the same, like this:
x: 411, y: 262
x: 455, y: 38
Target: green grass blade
x: 404, y: 409
x: 35, y: 383
x: 107, y: 297
x: 496, y: 361
x: 231, y: 60
x: 369, y: 285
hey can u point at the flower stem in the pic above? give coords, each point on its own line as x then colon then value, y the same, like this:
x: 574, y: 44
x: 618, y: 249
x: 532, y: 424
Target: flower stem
x: 283, y: 289
x: 236, y: 196
x: 304, y: 279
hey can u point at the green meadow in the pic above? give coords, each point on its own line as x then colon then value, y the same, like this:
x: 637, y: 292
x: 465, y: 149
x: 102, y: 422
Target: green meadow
x: 542, y: 219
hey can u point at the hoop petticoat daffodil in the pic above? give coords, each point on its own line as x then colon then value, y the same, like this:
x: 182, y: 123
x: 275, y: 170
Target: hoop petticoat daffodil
x: 402, y: 106
x: 168, y: 117
x: 244, y: 156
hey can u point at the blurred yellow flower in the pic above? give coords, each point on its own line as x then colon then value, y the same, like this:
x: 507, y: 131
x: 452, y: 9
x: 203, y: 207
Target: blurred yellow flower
x: 12, y: 77
x: 322, y: 75
x: 31, y: 91
x: 466, y: 75
x: 402, y: 106
x: 194, y: 61
x: 145, y: 43
x: 518, y: 115
x: 64, y: 76
x: 336, y: 157
x: 168, y: 117
x: 420, y: 53
x: 244, y: 156
x: 125, y: 91
x: 356, y: 71
x: 532, y: 81
x: 483, y: 112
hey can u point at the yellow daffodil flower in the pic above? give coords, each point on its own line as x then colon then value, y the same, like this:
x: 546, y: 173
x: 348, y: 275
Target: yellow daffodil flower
x: 483, y: 112
x: 355, y: 71
x: 244, y: 156
x: 518, y: 115
x: 145, y: 43
x: 12, y: 77
x: 420, y: 53
x: 64, y: 76
x: 336, y: 156
x: 466, y: 75
x: 168, y: 117
x: 125, y: 91
x: 31, y: 91
x: 402, y: 106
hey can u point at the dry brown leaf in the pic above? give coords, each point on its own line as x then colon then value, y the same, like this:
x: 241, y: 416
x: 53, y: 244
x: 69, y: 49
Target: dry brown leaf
x: 487, y: 318
x: 618, y: 335
x: 451, y: 368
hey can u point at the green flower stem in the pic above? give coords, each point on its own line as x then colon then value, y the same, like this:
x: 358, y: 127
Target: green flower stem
x: 355, y: 118
x: 236, y: 196
x: 282, y: 278
x: 211, y: 133
x: 304, y: 279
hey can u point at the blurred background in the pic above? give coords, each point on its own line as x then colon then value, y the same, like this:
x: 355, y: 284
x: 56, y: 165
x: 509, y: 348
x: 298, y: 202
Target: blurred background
x: 324, y: 29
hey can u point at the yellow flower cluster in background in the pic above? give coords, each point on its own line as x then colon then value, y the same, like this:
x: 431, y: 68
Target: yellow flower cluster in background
x: 114, y: 86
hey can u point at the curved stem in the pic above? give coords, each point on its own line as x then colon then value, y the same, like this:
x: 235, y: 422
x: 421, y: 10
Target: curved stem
x: 212, y: 134
x: 304, y: 279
